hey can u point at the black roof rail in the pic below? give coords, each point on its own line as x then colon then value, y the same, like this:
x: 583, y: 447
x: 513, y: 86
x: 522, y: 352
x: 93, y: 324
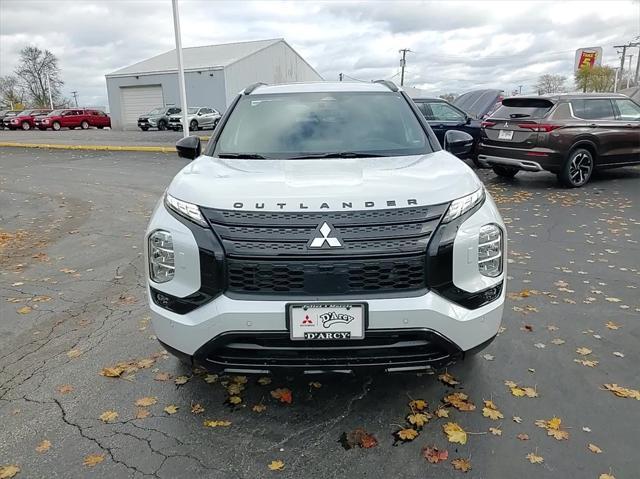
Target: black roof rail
x: 250, y: 88
x: 388, y: 83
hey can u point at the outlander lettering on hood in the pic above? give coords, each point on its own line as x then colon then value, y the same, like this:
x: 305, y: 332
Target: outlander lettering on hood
x: 334, y: 205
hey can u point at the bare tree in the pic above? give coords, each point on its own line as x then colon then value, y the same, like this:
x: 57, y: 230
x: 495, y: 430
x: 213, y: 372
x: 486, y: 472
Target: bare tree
x: 11, y: 94
x: 32, y: 71
x: 548, y: 84
x: 449, y: 96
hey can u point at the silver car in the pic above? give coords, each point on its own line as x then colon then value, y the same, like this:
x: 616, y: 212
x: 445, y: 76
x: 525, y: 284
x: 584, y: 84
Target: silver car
x: 199, y: 118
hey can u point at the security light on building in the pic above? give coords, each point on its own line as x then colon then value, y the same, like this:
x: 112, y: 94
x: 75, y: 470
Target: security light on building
x: 214, y: 74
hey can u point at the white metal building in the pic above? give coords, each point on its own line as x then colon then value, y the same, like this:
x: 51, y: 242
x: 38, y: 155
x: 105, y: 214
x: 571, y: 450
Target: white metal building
x: 214, y: 74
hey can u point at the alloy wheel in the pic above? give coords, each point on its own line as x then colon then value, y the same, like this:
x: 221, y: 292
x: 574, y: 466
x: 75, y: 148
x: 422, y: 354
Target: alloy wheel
x: 580, y: 168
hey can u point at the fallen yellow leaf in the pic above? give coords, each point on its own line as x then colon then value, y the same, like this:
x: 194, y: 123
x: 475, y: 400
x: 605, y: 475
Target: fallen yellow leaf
x: 24, y: 310
x: 455, y: 433
x: 418, y: 404
x: 9, y: 471
x: 461, y: 464
x: 108, y: 416
x: 595, y: 449
x: 583, y: 351
x: 418, y: 419
x: 197, y: 408
x: 448, y: 379
x: 259, y: 408
x: 171, y: 409
x: 234, y: 400
x: 146, y: 401
x: 534, y: 458
x: 44, y: 446
x: 212, y: 423
x: 407, y: 434
x: 93, y: 459
x: 276, y: 465
x: 181, y: 380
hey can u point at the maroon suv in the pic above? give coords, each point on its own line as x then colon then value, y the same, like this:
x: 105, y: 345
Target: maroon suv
x: 24, y: 120
x: 570, y: 135
x: 74, y: 118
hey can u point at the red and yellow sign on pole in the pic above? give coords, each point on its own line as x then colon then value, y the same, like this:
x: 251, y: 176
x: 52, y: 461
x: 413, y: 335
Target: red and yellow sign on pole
x: 588, y: 57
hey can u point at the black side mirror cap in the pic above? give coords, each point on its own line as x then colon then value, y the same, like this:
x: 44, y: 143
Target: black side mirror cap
x: 189, y: 147
x: 458, y: 143
x: 468, y: 121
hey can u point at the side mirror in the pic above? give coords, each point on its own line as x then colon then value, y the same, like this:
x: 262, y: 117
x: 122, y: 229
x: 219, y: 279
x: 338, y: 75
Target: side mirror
x: 189, y: 147
x: 458, y: 143
x: 468, y: 121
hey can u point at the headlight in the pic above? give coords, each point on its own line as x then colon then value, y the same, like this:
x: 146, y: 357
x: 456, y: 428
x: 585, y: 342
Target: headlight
x: 490, y: 250
x: 161, y: 258
x: 462, y: 205
x: 188, y: 210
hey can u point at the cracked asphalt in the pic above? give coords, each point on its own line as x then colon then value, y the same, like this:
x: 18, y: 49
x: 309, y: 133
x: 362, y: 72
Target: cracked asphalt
x: 73, y: 303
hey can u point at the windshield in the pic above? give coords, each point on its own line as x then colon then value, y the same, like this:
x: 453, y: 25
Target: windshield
x: 156, y: 111
x: 55, y: 113
x: 25, y: 113
x: 192, y: 111
x: 299, y: 125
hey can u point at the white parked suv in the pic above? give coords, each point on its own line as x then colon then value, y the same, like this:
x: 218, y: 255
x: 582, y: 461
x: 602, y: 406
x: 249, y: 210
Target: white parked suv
x: 323, y: 228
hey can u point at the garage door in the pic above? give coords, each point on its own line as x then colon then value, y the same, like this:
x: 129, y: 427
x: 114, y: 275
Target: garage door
x: 138, y: 100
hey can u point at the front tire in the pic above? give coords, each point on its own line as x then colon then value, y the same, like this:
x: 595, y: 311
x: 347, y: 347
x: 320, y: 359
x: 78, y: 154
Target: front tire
x: 56, y: 126
x: 578, y: 168
x: 26, y: 125
x: 162, y: 125
x: 144, y: 128
x: 84, y: 125
x: 505, y: 171
x: 193, y: 126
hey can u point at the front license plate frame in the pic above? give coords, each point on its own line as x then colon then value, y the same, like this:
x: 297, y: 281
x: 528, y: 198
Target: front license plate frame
x: 355, y: 328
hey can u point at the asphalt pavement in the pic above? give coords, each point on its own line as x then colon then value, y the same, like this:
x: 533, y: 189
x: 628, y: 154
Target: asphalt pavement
x: 73, y: 303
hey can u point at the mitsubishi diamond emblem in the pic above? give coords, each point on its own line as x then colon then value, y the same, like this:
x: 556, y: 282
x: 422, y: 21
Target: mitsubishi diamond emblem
x: 325, y: 237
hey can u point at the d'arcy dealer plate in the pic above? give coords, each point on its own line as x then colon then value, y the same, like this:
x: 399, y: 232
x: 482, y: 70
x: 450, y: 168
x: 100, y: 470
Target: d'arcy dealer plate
x: 326, y: 321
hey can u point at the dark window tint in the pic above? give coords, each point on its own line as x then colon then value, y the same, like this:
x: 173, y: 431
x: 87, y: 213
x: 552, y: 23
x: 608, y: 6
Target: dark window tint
x: 444, y: 112
x: 514, y: 108
x: 173, y: 111
x: 627, y: 109
x: 296, y: 124
x: 593, y: 109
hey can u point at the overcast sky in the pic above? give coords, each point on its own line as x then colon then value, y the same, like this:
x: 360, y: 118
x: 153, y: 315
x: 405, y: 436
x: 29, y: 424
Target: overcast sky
x: 457, y: 45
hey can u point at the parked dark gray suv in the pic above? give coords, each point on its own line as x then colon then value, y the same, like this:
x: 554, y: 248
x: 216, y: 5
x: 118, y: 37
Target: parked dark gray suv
x: 570, y: 135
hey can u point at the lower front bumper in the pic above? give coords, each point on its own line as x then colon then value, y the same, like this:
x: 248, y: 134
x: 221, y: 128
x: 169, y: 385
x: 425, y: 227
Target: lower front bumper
x: 403, y: 334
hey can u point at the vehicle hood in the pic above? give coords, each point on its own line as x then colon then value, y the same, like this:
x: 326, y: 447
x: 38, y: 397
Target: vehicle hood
x: 324, y: 184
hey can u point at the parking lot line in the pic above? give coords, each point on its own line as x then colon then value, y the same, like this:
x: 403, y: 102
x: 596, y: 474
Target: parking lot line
x: 155, y: 149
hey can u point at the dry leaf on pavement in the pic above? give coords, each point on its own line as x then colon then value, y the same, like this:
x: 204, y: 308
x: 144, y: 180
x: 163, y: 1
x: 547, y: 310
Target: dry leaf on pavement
x: 434, y: 455
x: 418, y: 404
x: 418, y: 419
x: 171, y: 409
x: 24, y: 310
x: 461, y: 464
x: 623, y: 392
x: 595, y: 449
x: 142, y: 413
x: 276, y: 465
x: 406, y: 434
x: 162, y: 377
x: 210, y: 378
x: 455, y: 433
x: 44, y: 446
x: 180, y: 380
x: 65, y: 388
x: 523, y: 437
x: 212, y: 423
x: 534, y: 458
x: 146, y: 401
x: 197, y: 408
x: 448, y: 379
x: 93, y: 459
x: 491, y: 411
x: 495, y: 431
x: 459, y: 401
x: 358, y: 437
x: 283, y: 394
x: 9, y: 471
x: 259, y: 408
x: 108, y: 416
x: 583, y: 351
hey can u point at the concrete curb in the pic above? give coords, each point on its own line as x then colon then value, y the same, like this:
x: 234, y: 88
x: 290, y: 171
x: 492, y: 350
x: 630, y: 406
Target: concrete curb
x: 153, y: 149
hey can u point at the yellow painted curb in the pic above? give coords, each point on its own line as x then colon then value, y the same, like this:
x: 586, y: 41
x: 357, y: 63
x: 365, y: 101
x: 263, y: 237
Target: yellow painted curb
x: 156, y: 149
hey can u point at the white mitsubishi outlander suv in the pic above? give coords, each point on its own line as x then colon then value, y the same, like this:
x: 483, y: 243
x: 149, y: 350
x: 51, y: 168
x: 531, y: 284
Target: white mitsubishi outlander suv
x: 323, y: 228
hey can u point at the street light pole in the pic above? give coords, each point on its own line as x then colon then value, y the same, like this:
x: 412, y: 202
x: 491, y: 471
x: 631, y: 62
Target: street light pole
x: 49, y: 88
x: 181, y: 86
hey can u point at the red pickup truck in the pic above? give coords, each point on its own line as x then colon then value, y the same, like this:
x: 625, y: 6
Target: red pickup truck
x: 74, y: 118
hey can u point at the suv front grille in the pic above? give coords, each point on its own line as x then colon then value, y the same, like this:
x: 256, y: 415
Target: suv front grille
x: 383, y: 250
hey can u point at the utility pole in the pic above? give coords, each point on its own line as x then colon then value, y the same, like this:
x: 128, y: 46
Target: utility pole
x: 637, y: 67
x: 403, y: 63
x: 75, y: 97
x: 183, y: 92
x: 630, y: 63
x: 615, y: 81
x: 624, y: 53
x: 519, y: 89
x: 340, y: 77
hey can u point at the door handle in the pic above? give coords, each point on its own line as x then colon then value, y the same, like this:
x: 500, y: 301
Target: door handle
x: 593, y: 125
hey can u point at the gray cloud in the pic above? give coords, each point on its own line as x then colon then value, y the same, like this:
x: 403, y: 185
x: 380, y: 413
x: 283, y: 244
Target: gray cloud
x: 456, y: 45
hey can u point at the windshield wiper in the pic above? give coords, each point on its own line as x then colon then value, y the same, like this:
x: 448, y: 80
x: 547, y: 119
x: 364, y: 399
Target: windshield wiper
x: 248, y: 156
x: 337, y: 154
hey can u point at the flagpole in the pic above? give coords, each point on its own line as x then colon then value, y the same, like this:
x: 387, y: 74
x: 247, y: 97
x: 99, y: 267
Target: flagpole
x: 181, y: 86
